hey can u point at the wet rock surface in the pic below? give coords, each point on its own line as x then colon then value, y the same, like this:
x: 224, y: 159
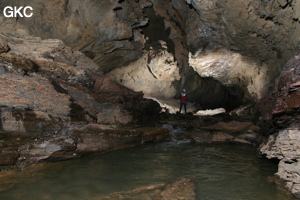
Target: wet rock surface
x: 221, y: 128
x: 97, y: 138
x: 183, y: 189
x: 73, y: 142
x: 232, y: 131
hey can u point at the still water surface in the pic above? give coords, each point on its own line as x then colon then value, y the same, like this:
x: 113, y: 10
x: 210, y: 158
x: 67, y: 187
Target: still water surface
x: 220, y: 172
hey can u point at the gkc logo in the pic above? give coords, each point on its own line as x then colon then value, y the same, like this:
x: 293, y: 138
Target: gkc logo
x: 15, y: 11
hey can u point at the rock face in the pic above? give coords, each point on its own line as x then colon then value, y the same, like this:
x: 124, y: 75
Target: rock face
x: 255, y: 28
x: 189, y: 40
x: 108, y: 32
x: 77, y: 24
x: 231, y: 68
x: 284, y: 144
x: 57, y: 76
x: 288, y: 89
x: 242, y: 43
x: 53, y: 100
x: 154, y: 77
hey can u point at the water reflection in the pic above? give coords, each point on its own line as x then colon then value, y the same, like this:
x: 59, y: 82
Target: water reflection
x: 222, y: 171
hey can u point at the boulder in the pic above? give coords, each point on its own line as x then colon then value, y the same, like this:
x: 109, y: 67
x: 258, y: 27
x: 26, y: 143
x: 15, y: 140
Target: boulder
x: 232, y: 131
x: 221, y: 137
x: 183, y: 189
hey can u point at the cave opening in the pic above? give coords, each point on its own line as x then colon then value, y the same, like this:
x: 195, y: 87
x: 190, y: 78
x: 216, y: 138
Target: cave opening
x: 208, y: 93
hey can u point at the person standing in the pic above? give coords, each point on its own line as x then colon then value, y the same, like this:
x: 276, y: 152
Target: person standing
x: 183, y: 101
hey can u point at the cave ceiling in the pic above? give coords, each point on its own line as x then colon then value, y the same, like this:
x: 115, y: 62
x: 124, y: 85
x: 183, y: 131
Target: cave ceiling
x: 240, y: 44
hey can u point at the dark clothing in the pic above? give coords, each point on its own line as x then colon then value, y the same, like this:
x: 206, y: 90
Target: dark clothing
x: 184, y: 105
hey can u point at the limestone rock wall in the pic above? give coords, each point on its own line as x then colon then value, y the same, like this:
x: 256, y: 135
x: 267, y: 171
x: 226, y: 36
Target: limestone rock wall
x: 153, y: 75
x: 283, y: 110
x: 60, y: 78
x: 242, y: 44
x: 55, y: 100
x: 96, y: 28
x: 231, y: 68
x: 261, y: 37
x: 261, y: 29
x: 285, y: 146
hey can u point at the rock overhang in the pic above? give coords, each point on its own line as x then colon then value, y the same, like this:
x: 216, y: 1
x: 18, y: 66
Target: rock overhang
x: 121, y: 32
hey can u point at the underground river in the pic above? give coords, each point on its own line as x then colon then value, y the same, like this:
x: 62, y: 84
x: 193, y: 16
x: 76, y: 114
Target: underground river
x: 219, y: 171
